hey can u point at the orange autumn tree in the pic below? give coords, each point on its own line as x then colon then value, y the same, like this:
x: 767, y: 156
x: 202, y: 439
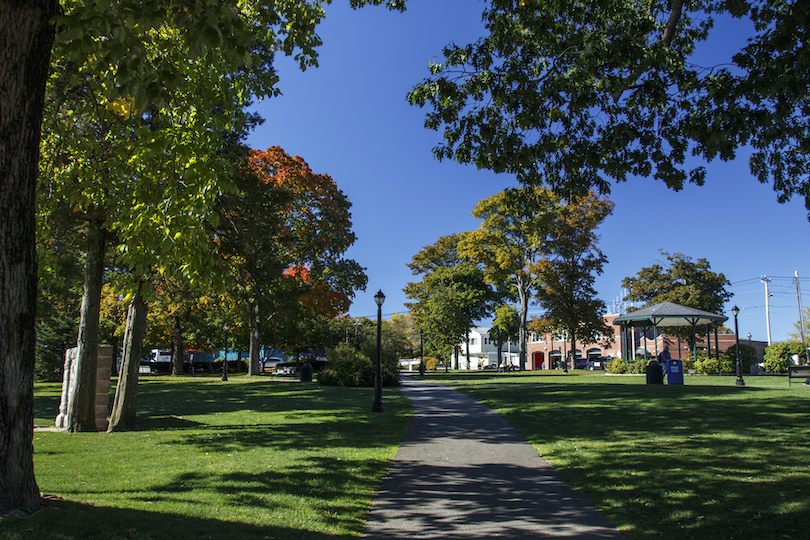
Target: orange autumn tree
x: 284, y: 216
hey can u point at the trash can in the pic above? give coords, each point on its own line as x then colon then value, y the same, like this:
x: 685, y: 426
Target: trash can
x: 675, y: 372
x: 655, y: 373
x: 306, y: 372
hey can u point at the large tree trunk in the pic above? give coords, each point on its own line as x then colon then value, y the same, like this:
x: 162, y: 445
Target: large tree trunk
x: 255, y: 340
x: 26, y: 36
x: 523, y: 295
x: 177, y: 346
x: 124, y: 408
x: 81, y: 414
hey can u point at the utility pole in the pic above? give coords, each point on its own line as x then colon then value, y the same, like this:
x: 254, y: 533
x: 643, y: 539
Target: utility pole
x: 801, y: 319
x: 766, y: 280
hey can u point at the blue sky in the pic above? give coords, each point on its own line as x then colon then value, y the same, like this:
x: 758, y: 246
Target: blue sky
x: 349, y: 118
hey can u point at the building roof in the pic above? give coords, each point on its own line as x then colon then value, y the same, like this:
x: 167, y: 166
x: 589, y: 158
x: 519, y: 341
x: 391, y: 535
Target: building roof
x: 668, y: 314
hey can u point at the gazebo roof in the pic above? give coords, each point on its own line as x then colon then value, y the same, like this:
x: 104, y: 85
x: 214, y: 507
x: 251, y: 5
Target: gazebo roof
x: 668, y: 314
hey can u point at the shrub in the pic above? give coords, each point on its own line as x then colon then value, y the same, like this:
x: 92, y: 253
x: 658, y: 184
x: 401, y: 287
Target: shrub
x: 777, y: 355
x: 640, y: 364
x: 748, y: 357
x: 618, y: 366
x: 348, y: 367
x: 431, y: 363
x: 712, y: 366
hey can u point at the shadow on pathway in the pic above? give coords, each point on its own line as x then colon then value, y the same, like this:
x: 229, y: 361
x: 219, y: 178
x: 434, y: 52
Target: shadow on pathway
x: 464, y: 472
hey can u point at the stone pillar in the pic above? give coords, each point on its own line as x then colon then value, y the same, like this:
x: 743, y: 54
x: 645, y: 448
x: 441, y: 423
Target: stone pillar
x: 103, y: 372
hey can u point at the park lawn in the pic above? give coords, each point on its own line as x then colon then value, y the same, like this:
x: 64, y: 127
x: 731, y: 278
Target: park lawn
x: 247, y: 459
x: 706, y: 460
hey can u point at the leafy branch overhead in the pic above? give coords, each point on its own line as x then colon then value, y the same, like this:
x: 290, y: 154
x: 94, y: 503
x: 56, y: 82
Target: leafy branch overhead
x: 576, y: 94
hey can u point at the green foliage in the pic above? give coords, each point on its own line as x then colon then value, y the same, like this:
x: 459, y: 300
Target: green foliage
x: 748, y: 357
x: 348, y: 367
x: 680, y: 281
x: 618, y: 366
x: 778, y: 356
x: 706, y: 365
x: 796, y: 334
x: 575, y: 94
x: 451, y: 296
x: 431, y: 363
x: 569, y: 267
x: 637, y: 365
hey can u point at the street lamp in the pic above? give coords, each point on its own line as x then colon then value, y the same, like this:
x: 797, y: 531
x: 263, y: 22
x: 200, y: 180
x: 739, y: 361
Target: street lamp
x: 225, y: 364
x: 377, y: 406
x: 740, y: 382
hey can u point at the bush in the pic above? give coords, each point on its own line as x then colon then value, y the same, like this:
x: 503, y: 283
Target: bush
x: 778, y: 356
x: 712, y: 366
x: 618, y: 366
x: 748, y: 357
x: 431, y: 363
x: 347, y: 367
x: 640, y: 364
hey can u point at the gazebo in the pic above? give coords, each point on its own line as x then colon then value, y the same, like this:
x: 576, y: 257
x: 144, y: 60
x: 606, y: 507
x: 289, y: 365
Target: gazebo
x: 667, y: 314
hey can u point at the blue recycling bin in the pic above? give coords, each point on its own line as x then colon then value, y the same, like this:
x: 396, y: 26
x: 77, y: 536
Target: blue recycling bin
x: 674, y: 372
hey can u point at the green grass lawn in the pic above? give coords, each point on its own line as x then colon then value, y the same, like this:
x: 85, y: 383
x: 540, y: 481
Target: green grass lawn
x: 706, y: 460
x: 261, y: 459
x: 247, y: 459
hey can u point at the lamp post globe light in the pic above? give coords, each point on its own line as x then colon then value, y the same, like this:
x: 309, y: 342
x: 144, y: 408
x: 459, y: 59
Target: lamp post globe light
x: 377, y: 406
x: 740, y: 382
x: 225, y: 363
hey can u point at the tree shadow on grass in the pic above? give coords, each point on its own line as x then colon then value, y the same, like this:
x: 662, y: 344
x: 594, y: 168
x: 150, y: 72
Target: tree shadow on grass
x: 67, y: 520
x: 675, y: 462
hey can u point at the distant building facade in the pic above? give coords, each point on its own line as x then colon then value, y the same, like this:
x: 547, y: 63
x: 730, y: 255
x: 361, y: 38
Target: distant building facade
x: 548, y: 351
x: 483, y: 351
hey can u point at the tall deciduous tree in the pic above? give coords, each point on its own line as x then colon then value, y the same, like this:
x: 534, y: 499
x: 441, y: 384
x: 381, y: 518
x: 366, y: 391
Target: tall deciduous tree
x: 110, y: 32
x: 510, y: 241
x: 304, y: 229
x: 681, y: 281
x: 568, y: 269
x: 578, y: 94
x: 451, y: 296
x: 27, y: 34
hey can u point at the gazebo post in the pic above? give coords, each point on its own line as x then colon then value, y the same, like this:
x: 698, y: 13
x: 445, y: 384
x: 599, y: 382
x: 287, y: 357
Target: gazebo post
x: 708, y: 341
x: 679, y: 343
x: 716, y: 343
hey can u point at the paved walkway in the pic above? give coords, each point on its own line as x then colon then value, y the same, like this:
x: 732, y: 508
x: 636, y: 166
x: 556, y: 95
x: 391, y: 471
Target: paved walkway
x: 464, y: 472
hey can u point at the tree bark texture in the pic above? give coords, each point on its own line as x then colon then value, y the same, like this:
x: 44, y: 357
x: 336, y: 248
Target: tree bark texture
x: 255, y: 341
x: 523, y: 294
x: 81, y: 415
x: 26, y: 37
x: 177, y: 346
x: 124, y: 409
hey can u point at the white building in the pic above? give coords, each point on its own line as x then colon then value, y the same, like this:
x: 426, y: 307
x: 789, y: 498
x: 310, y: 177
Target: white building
x: 484, y: 351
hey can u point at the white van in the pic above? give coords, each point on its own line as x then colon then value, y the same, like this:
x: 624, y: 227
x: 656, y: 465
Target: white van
x: 159, y: 355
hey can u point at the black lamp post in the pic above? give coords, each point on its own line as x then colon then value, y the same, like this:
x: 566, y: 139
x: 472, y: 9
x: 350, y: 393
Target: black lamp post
x: 225, y: 364
x: 740, y: 382
x: 377, y: 406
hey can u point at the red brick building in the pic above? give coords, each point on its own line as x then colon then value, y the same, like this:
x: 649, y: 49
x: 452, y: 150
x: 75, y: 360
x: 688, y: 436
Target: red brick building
x: 546, y: 352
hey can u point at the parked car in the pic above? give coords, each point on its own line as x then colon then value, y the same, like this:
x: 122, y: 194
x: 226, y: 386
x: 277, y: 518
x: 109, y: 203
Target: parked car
x: 597, y: 363
x: 270, y: 363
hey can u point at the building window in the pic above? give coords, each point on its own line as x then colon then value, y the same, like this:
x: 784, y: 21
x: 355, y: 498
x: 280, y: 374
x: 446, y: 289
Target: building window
x: 486, y: 340
x: 473, y: 341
